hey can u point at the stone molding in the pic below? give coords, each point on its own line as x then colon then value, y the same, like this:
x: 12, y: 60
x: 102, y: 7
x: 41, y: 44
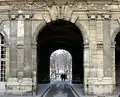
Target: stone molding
x: 24, y: 16
x: 20, y: 46
x: 103, y: 16
x: 43, y: 5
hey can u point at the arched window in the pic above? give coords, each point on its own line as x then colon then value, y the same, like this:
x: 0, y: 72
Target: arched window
x: 2, y: 58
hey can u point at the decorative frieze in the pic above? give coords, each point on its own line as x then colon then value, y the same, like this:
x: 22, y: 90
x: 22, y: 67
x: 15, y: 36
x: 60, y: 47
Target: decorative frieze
x: 40, y: 5
x: 16, y: 16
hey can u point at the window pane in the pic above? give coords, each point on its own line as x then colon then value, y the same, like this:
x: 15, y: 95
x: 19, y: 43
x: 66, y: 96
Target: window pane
x: 2, y: 56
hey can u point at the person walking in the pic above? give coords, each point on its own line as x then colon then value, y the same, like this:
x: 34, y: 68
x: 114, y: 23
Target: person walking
x: 62, y: 77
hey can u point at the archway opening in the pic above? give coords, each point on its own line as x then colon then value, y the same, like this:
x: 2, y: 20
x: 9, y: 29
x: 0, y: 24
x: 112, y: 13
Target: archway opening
x: 60, y: 63
x: 117, y: 59
x: 59, y: 34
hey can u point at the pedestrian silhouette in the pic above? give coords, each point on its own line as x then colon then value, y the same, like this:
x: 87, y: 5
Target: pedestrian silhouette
x: 65, y: 77
x: 62, y: 77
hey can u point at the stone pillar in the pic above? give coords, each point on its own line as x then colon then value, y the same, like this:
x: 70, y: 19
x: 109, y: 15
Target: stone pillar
x: 86, y: 67
x: 100, y: 61
x: 107, y: 54
x: 34, y: 82
x: 7, y: 62
x: 20, y: 45
x: 102, y: 84
x: 27, y: 46
x: 34, y: 67
x: 13, y: 47
x: 113, y: 66
x: 34, y: 57
x: 93, y: 48
x: 20, y: 57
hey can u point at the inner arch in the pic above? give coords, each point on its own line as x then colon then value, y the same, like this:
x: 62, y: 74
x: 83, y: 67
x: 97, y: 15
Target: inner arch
x: 60, y: 63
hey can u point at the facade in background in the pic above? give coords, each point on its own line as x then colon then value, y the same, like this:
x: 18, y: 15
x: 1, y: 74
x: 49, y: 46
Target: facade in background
x: 21, y: 22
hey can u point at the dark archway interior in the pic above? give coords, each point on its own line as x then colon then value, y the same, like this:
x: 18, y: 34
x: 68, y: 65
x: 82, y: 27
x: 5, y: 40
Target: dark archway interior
x: 117, y: 58
x: 59, y: 34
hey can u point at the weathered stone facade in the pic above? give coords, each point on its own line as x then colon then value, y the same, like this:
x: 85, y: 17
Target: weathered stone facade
x: 20, y: 23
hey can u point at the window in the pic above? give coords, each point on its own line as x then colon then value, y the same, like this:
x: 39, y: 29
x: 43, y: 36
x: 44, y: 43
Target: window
x: 2, y: 71
x: 3, y: 58
x: 2, y: 40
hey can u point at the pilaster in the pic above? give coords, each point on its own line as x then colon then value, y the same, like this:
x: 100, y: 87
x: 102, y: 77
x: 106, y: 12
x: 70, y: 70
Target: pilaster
x: 13, y: 48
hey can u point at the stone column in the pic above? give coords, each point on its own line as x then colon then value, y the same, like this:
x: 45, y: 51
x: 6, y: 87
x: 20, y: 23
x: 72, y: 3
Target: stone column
x: 107, y: 54
x: 34, y: 67
x: 34, y: 82
x: 27, y: 45
x: 20, y: 44
x: 34, y: 57
x: 7, y: 62
x: 93, y: 48
x: 86, y: 67
x: 100, y: 60
x: 113, y: 66
x: 13, y: 47
x: 99, y: 48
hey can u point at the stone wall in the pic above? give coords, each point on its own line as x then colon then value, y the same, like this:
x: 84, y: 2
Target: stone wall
x: 99, y: 27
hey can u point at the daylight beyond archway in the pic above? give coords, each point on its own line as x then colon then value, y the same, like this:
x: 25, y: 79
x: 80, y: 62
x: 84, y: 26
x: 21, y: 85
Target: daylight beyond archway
x: 60, y: 63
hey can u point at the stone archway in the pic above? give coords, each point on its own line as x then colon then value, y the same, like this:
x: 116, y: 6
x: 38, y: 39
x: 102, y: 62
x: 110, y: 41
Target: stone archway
x: 115, y: 54
x: 85, y: 47
x: 77, y: 23
x: 59, y: 34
